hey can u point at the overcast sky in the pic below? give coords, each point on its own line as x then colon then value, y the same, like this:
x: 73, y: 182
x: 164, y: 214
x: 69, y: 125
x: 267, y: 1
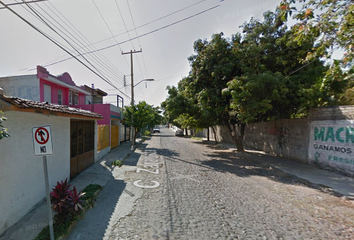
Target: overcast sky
x: 165, y: 30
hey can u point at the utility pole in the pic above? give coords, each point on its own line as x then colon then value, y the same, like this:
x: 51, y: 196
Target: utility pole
x: 132, y: 89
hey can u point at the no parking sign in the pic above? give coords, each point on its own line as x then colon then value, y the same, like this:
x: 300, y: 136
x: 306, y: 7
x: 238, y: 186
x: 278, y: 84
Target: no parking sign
x: 42, y: 141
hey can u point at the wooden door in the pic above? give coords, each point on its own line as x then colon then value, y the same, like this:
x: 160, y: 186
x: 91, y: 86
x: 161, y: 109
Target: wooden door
x: 81, y: 146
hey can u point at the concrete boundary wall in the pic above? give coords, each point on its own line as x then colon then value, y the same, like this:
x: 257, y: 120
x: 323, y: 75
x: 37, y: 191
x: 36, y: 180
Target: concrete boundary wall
x: 286, y: 138
x: 325, y: 138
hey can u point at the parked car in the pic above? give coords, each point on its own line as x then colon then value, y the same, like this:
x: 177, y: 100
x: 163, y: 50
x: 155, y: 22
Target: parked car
x: 179, y: 132
x: 156, y: 130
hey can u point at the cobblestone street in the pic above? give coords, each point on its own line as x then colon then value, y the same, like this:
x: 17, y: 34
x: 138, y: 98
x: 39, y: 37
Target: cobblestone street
x: 203, y: 192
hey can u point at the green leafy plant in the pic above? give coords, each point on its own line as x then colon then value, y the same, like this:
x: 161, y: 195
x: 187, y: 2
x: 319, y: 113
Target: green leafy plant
x: 90, y: 191
x: 118, y: 163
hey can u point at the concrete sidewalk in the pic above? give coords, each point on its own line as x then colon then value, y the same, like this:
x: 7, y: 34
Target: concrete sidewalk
x: 333, y: 182
x: 98, y: 173
x: 339, y: 184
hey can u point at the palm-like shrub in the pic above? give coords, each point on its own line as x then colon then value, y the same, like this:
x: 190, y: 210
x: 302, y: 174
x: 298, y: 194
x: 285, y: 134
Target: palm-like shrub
x: 66, y: 203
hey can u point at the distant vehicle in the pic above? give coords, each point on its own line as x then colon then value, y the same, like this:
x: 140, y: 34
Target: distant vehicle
x: 156, y: 129
x: 179, y: 132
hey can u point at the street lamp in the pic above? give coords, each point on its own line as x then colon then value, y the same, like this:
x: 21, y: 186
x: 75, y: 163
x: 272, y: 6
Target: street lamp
x: 145, y: 80
x: 132, y: 104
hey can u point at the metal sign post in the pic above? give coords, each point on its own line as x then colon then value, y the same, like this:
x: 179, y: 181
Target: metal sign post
x: 42, y: 143
x: 50, y: 216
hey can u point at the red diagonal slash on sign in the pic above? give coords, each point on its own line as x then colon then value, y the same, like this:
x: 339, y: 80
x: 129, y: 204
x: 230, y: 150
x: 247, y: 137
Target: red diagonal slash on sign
x: 41, y: 135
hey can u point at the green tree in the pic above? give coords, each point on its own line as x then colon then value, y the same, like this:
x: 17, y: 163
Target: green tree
x: 331, y: 23
x: 273, y: 81
x: 256, y: 75
x: 3, y: 130
x: 213, y: 66
x: 145, y: 116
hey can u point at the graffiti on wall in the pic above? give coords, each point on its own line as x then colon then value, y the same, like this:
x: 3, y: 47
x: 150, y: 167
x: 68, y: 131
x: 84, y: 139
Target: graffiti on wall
x: 332, y: 144
x: 282, y: 134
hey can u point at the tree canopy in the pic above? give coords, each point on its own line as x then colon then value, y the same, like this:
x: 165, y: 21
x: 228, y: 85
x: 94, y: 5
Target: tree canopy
x: 331, y: 23
x: 261, y: 73
x: 145, y: 116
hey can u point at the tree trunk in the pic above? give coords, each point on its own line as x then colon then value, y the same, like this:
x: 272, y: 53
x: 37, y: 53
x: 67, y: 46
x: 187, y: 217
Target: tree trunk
x: 208, y: 134
x: 214, y: 131
x: 237, y: 133
x: 135, y: 134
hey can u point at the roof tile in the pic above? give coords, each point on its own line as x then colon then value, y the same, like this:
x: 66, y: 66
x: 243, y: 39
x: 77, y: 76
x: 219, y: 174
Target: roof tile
x: 29, y: 104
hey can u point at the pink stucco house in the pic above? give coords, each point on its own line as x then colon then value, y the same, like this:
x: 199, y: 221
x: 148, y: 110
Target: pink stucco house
x: 62, y: 90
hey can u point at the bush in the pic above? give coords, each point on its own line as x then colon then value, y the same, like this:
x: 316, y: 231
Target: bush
x: 80, y: 201
x: 65, y: 202
x: 118, y: 163
x: 90, y: 191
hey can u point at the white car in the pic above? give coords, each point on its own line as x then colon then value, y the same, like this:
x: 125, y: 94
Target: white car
x: 156, y: 130
x: 179, y: 132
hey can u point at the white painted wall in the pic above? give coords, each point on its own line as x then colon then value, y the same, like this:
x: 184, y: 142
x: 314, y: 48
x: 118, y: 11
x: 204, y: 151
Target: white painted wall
x: 26, y: 86
x: 21, y: 173
x: 332, y: 145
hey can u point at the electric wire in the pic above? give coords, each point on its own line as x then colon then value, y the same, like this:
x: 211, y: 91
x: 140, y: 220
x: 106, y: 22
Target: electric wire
x: 88, y: 43
x: 142, y: 35
x: 153, y: 21
x: 97, y: 59
x: 45, y: 21
x: 125, y: 26
x: 136, y: 33
x: 104, y: 20
x: 59, y: 45
x: 94, y: 58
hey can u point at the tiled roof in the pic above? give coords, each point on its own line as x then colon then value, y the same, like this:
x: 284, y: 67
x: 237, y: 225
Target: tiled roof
x: 29, y: 104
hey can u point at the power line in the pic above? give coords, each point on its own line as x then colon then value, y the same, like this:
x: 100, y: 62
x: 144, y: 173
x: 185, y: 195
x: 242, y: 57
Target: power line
x: 136, y: 33
x: 58, y: 44
x: 127, y: 31
x: 158, y: 19
x: 43, y: 19
x: 89, y: 43
x: 18, y: 3
x: 80, y: 44
x: 97, y: 59
x: 142, y: 35
x: 125, y: 26
x: 104, y: 20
